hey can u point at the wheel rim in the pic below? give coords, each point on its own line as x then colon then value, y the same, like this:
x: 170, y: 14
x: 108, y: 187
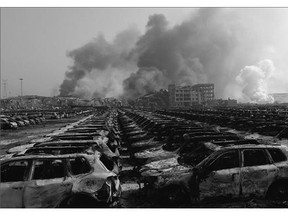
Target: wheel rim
x: 282, y: 192
x: 172, y: 196
x: 175, y: 195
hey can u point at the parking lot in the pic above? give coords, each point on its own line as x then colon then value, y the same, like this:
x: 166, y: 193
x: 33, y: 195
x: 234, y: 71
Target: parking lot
x: 130, y: 158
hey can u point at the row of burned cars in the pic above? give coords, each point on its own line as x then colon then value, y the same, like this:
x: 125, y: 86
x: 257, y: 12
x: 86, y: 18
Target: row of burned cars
x: 75, y: 166
x: 15, y: 121
x: 265, y: 120
x: 180, y: 162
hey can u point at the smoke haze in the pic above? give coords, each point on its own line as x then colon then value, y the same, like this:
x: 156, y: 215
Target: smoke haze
x: 221, y: 46
x: 99, y: 67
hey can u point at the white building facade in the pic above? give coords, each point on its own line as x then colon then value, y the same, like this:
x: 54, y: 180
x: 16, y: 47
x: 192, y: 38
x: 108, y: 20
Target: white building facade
x: 184, y: 96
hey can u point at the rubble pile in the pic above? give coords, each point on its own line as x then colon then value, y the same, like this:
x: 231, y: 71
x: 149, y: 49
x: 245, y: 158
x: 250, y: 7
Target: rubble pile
x: 39, y: 102
x: 53, y: 103
x: 153, y: 100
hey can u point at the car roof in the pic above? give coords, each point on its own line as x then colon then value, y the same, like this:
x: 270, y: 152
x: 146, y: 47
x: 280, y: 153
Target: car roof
x: 46, y: 156
x: 216, y: 147
x: 244, y: 146
x: 67, y: 143
x: 84, y: 147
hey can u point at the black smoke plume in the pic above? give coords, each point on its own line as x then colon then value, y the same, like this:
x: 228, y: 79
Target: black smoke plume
x: 213, y: 45
x: 99, y: 66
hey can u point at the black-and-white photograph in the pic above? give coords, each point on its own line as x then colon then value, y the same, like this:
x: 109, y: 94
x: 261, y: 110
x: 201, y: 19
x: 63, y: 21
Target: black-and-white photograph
x: 144, y: 107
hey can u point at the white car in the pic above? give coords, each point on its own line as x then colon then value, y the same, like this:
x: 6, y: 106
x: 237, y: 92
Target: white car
x: 73, y: 180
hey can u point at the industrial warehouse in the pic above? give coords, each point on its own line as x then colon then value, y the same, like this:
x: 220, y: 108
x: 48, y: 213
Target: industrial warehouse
x: 170, y: 114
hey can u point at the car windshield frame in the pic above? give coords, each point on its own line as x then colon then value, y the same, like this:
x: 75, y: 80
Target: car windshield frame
x: 69, y: 169
x: 28, y: 171
x: 209, y: 158
x: 63, y: 161
x: 200, y: 151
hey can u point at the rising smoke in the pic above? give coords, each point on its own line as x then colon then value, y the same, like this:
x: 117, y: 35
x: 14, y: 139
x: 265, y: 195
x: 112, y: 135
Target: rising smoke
x: 167, y: 55
x: 99, y: 67
x: 254, y: 80
x: 213, y: 45
x: 145, y: 80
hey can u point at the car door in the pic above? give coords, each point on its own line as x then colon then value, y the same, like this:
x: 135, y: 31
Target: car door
x: 221, y: 177
x: 257, y: 172
x: 13, y: 180
x: 49, y: 184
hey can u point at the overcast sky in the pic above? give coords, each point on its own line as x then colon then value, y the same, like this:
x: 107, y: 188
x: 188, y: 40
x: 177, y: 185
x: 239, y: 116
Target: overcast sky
x: 34, y: 41
x: 243, y: 51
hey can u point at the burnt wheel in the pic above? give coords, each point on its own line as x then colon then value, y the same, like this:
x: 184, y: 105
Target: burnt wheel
x: 176, y: 196
x: 79, y: 201
x: 279, y: 191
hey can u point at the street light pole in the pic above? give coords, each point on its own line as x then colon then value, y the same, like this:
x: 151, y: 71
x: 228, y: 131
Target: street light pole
x: 21, y: 79
x: 5, y: 88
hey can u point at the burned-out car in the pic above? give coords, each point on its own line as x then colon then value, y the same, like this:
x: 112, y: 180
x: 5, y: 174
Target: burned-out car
x: 193, y: 146
x: 233, y: 172
x: 5, y: 123
x: 73, y: 180
x: 107, y: 157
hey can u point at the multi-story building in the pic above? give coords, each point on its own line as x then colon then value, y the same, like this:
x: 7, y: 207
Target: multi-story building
x: 182, y: 96
x: 206, y: 90
x: 172, y: 95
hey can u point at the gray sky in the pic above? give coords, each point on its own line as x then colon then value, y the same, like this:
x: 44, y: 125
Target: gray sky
x: 34, y: 41
x: 243, y: 51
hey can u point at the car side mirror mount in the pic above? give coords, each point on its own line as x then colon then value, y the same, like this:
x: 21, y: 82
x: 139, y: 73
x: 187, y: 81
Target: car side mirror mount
x: 207, y: 171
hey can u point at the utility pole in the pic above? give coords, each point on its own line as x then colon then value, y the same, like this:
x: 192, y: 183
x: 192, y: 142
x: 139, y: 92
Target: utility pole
x: 21, y: 79
x: 4, y: 88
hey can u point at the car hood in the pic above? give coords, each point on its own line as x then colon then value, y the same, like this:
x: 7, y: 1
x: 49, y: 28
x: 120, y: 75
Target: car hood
x: 19, y: 148
x: 158, y: 152
x: 161, y: 164
x: 165, y: 174
x: 90, y: 183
